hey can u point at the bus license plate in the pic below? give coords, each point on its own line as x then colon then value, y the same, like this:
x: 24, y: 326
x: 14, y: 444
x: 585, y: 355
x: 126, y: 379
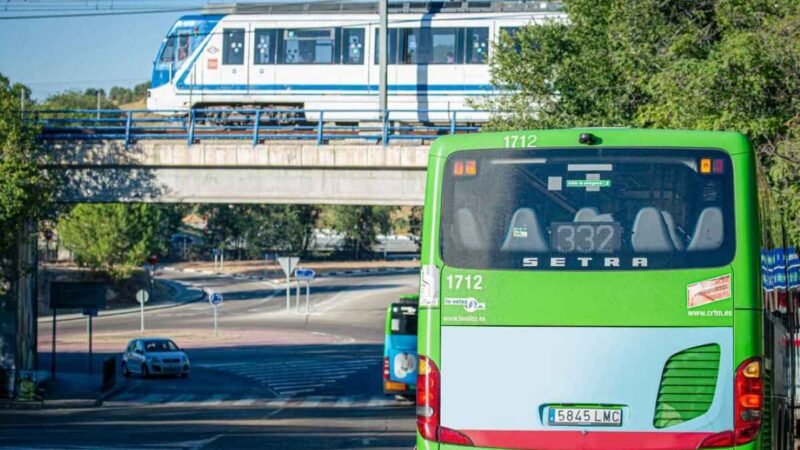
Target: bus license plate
x: 608, y: 417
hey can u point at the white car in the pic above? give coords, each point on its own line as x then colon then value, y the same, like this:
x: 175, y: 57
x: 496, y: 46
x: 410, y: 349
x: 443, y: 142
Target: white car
x: 154, y: 356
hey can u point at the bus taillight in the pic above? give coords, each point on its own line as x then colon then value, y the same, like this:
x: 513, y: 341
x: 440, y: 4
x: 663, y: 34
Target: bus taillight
x: 428, y: 402
x: 428, y: 399
x: 748, y: 397
x: 749, y: 400
x: 385, y: 368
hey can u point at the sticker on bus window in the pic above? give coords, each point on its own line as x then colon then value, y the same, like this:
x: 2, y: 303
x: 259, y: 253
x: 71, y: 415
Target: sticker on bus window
x: 213, y: 63
x: 588, y: 183
x: 519, y: 232
x: 708, y: 291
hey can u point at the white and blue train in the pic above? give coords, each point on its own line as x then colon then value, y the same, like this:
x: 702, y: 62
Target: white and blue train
x: 329, y: 61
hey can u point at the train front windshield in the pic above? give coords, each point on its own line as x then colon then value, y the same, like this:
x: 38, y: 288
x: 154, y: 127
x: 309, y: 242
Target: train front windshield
x: 588, y: 210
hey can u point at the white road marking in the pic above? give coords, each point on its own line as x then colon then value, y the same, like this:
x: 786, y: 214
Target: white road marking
x: 344, y: 402
x: 311, y: 402
x: 281, y: 401
x: 244, y: 402
x: 214, y: 400
x: 377, y: 401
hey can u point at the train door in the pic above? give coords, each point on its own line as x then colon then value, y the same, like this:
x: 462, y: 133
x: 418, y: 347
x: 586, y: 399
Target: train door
x: 262, y: 70
x: 233, y: 70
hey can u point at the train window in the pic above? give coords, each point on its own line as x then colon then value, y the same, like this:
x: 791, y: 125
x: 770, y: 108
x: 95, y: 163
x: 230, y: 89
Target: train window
x: 169, y: 50
x: 477, y: 45
x: 412, y: 48
x: 353, y: 46
x: 429, y: 45
x: 444, y: 46
x: 233, y: 46
x: 392, y: 56
x: 264, y: 47
x: 309, y: 46
x: 184, y: 47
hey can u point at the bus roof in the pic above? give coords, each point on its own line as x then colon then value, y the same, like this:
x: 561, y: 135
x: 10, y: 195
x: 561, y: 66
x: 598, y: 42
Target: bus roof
x: 730, y: 142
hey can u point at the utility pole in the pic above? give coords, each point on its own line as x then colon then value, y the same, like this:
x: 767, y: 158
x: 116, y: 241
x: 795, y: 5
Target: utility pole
x: 98, y: 104
x: 383, y: 55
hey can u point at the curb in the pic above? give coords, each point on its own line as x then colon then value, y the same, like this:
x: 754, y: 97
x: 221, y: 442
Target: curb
x: 120, y: 312
x: 22, y: 404
x: 387, y: 270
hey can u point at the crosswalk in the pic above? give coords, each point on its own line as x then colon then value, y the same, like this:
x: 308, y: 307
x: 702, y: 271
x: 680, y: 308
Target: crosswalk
x: 290, y: 377
x: 234, y: 400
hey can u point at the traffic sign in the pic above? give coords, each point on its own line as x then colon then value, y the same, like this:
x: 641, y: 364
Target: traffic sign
x: 142, y: 296
x: 288, y: 263
x: 304, y: 274
x: 215, y: 298
x: 90, y: 312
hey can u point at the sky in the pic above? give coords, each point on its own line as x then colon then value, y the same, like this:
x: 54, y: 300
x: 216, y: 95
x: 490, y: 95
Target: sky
x: 53, y: 55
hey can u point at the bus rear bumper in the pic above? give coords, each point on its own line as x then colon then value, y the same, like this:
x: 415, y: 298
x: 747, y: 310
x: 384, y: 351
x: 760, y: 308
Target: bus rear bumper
x: 589, y: 441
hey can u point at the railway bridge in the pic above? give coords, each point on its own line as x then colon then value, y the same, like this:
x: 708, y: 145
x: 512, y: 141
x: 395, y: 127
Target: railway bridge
x: 235, y: 172
x: 243, y: 156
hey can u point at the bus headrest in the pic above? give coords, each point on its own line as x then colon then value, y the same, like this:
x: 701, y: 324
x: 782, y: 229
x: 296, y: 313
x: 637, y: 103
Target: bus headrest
x: 709, y: 232
x: 650, y: 232
x: 524, y: 232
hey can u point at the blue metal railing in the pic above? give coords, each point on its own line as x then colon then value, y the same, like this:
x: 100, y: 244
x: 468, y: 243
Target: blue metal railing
x: 255, y: 125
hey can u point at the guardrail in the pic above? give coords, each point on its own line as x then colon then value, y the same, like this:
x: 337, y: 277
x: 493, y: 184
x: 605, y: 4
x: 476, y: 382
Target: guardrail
x: 255, y: 125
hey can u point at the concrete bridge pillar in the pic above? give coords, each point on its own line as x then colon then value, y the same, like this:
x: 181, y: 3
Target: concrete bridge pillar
x: 18, y: 313
x: 26, y: 292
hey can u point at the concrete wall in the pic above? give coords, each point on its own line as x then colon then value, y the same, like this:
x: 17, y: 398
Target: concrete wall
x: 237, y: 172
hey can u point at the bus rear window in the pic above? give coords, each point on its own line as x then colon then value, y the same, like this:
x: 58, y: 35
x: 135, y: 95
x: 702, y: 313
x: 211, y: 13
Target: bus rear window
x: 587, y: 209
x: 403, y: 319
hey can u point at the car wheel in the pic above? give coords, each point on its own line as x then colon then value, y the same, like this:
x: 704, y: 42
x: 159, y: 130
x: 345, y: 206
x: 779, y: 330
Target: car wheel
x: 145, y: 371
x: 125, y: 372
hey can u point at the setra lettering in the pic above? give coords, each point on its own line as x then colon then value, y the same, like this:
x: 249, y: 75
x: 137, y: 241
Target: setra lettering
x: 583, y: 261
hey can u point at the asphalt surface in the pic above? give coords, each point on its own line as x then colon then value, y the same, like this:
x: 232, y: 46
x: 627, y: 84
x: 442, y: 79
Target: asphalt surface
x: 271, y: 379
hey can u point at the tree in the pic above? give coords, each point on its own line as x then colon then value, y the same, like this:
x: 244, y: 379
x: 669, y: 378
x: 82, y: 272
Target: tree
x: 70, y: 100
x: 116, y: 238
x: 25, y: 190
x: 140, y: 91
x: 281, y: 228
x: 120, y: 95
x: 254, y: 229
x: 708, y: 64
x: 360, y: 226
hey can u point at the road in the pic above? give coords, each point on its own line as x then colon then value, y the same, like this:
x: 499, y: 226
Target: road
x: 271, y: 379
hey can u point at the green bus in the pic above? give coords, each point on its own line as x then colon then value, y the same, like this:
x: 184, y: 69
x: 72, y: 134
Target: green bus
x: 615, y: 289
